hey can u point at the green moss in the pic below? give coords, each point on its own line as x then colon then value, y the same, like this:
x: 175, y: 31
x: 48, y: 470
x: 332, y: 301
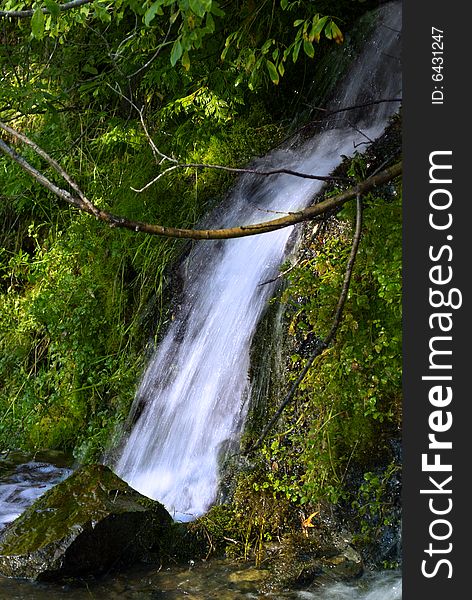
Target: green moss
x: 89, y: 495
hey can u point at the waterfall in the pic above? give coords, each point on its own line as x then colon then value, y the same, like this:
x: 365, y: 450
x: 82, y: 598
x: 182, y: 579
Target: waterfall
x: 193, y: 397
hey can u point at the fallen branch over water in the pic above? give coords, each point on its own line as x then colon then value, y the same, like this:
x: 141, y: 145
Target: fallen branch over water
x: 79, y: 200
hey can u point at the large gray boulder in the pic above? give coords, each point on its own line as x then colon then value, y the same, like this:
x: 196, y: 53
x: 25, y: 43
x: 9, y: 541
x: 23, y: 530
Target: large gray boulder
x: 87, y: 524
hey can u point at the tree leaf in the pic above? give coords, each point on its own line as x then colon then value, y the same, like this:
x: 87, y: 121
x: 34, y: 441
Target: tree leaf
x: 151, y: 12
x: 37, y: 24
x: 274, y: 75
x: 296, y: 50
x: 90, y: 69
x: 186, y: 61
x: 176, y: 52
x: 197, y: 7
x: 53, y: 7
x: 317, y: 28
x: 210, y: 23
x: 336, y: 33
x: 200, y: 7
x: 216, y: 10
x: 308, y: 48
x: 265, y: 48
x: 328, y: 32
x: 102, y: 13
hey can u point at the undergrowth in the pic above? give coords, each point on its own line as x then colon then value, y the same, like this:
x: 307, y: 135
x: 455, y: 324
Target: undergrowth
x: 78, y: 300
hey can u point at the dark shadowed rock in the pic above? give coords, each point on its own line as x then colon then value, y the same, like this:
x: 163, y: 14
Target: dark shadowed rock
x: 89, y: 523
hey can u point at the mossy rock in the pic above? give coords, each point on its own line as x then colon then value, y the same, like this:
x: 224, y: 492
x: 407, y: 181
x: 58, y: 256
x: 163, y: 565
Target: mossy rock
x: 87, y: 524
x: 313, y: 560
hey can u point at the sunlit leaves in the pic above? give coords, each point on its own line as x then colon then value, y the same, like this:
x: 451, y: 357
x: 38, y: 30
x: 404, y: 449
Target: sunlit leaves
x: 189, y: 24
x: 308, y: 48
x: 102, y: 13
x: 353, y: 389
x: 333, y: 32
x: 310, y: 30
x: 37, y: 24
x: 154, y: 10
x: 200, y: 7
x: 240, y: 50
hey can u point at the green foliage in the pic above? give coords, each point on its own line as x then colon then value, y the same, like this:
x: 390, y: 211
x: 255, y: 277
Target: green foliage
x: 76, y: 298
x: 78, y: 302
x: 241, y: 529
x: 57, y: 56
x: 372, y: 507
x: 349, y: 403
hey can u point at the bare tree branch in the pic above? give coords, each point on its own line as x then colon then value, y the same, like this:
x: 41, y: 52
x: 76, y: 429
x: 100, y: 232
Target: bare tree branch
x: 80, y: 201
x: 53, y: 163
x: 322, y: 344
x: 154, y: 149
x: 240, y: 170
x: 355, y: 107
x: 22, y: 14
x: 40, y: 178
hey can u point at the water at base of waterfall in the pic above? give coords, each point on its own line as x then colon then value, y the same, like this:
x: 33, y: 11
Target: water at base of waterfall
x: 24, y: 478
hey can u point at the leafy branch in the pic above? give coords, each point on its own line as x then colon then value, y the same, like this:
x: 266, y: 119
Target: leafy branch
x: 47, y: 10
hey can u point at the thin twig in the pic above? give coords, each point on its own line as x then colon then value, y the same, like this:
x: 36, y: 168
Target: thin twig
x: 329, y: 113
x: 154, y: 56
x: 281, y: 274
x: 295, y: 264
x: 155, y: 150
x: 356, y: 106
x: 53, y: 163
x: 240, y: 170
x: 322, y: 344
x: 39, y: 177
x: 371, y: 141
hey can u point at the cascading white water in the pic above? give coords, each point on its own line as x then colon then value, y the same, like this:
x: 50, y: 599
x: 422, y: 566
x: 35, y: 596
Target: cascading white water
x: 194, y: 394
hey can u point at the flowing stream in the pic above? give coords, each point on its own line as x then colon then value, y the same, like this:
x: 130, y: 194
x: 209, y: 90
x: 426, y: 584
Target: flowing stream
x: 193, y: 397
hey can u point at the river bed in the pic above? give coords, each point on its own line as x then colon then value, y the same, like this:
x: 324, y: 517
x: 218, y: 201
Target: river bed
x: 24, y: 478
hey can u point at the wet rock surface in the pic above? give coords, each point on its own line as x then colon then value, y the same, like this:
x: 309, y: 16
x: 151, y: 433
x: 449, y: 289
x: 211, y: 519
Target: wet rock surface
x: 305, y: 562
x: 88, y: 524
